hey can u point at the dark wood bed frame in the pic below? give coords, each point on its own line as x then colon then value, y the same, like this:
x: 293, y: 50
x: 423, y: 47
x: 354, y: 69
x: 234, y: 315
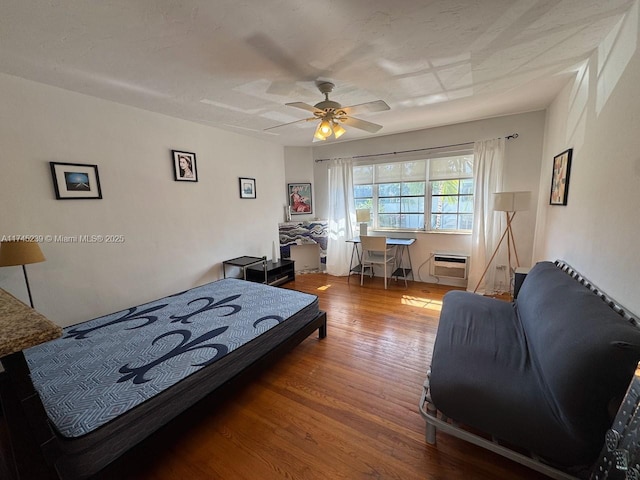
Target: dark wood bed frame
x: 40, y: 453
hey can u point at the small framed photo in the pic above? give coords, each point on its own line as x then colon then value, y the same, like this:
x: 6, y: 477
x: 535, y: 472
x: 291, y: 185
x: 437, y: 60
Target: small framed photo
x: 247, y: 187
x: 184, y: 166
x: 75, y: 181
x: 560, y: 178
x: 300, y: 198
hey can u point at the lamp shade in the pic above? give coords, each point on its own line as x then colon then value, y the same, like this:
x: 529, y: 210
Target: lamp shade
x: 511, y: 201
x: 20, y: 252
x: 318, y: 135
x: 338, y: 131
x: 363, y: 215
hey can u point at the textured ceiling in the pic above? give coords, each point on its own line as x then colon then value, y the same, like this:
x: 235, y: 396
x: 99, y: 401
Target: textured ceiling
x: 233, y: 64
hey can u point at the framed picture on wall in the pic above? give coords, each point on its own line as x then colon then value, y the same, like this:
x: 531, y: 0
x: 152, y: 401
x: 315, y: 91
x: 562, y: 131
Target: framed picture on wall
x: 247, y: 187
x: 560, y: 178
x: 184, y: 166
x: 75, y: 181
x: 300, y: 198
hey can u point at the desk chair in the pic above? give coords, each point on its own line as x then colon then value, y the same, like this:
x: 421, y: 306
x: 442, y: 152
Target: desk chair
x: 376, y: 251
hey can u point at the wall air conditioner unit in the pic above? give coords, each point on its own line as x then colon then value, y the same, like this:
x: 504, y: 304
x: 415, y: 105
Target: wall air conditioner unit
x: 449, y: 266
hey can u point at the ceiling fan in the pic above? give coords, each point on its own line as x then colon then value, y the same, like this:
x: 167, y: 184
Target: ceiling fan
x: 332, y: 115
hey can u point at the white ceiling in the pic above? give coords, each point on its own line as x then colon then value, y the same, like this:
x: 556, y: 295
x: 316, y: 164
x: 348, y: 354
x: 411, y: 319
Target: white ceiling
x: 233, y: 64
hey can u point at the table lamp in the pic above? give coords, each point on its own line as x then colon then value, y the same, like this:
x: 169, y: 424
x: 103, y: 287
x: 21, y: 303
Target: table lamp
x: 363, y: 216
x: 21, y: 252
x: 510, y: 203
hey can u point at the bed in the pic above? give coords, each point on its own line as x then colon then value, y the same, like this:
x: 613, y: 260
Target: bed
x: 106, y: 384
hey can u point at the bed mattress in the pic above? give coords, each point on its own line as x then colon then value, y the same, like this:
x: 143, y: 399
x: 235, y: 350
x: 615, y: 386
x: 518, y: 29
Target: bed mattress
x: 103, y: 368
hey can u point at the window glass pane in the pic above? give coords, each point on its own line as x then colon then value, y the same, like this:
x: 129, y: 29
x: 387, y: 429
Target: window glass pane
x: 437, y: 205
x: 466, y: 203
x: 445, y: 187
x: 414, y: 222
x: 413, y: 188
x: 389, y: 190
x: 444, y: 222
x: 362, y: 174
x: 360, y: 191
x: 389, y: 205
x: 412, y: 204
x: 386, y: 220
x: 466, y: 186
x: 365, y: 203
x: 465, y: 222
x: 448, y: 204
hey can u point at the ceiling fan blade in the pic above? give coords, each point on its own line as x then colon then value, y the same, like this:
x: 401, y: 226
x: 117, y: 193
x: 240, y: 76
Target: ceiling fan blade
x: 305, y: 106
x: 270, y: 50
x: 361, y: 124
x: 290, y: 123
x: 376, y: 106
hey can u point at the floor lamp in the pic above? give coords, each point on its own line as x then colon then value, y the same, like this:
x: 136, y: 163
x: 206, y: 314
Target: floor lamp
x: 22, y: 253
x: 510, y: 203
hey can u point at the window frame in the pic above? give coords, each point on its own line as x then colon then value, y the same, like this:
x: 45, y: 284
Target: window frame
x: 458, y: 212
x: 374, y: 224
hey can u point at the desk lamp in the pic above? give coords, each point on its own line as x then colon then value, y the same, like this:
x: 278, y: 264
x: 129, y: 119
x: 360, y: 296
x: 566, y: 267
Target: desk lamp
x: 21, y: 252
x: 363, y: 216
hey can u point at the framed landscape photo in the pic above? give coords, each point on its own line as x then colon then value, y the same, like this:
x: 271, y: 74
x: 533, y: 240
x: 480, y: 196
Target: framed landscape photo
x: 247, y: 187
x: 184, y: 166
x: 560, y: 178
x: 300, y: 198
x: 75, y: 181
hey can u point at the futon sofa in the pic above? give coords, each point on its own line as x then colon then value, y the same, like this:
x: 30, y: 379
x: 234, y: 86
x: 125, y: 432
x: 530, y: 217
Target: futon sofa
x: 544, y: 374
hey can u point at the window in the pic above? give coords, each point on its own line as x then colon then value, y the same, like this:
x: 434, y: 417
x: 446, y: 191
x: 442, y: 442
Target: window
x: 451, y: 188
x: 398, y: 194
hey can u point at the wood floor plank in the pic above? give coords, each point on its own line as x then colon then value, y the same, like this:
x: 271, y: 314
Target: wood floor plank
x: 344, y: 407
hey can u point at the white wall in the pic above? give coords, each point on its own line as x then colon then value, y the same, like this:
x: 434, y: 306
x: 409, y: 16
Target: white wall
x: 176, y: 233
x: 598, y: 116
x: 522, y: 171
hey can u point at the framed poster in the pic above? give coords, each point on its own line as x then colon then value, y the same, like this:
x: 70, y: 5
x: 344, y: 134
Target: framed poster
x: 184, y: 166
x: 300, y: 198
x: 75, y: 181
x: 560, y: 178
x: 247, y: 187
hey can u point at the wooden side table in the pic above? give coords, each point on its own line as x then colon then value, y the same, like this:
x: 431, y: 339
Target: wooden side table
x: 244, y: 263
x: 22, y: 327
x: 272, y: 273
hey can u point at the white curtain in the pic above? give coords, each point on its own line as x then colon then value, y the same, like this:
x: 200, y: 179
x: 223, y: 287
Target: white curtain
x: 487, y: 224
x: 341, y: 217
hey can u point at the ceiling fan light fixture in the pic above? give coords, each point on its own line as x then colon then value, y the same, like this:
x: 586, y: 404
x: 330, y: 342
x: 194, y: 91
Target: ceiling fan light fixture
x: 319, y: 135
x: 338, y: 130
x: 325, y: 128
x: 331, y: 115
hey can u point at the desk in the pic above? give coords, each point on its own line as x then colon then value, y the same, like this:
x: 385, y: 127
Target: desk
x: 402, y: 246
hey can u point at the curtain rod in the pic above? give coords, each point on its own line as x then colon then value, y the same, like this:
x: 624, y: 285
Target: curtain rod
x: 508, y: 137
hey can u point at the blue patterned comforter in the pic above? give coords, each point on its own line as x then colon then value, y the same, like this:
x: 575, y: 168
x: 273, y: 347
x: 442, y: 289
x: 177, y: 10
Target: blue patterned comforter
x: 101, y: 368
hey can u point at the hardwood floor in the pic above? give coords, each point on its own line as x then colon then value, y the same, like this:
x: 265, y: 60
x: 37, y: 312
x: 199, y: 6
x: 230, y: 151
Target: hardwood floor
x: 345, y: 407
